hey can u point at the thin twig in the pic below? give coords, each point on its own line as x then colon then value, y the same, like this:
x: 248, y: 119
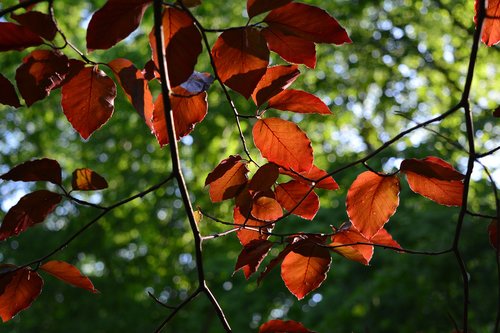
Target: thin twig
x: 24, y: 4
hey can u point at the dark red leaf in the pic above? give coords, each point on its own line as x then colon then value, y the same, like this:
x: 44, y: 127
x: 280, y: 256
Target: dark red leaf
x: 241, y: 57
x: 491, y: 26
x: 434, y: 179
x: 496, y: 113
x: 188, y: 110
x: 313, y: 174
x: 22, y: 287
x: 246, y: 236
x: 37, y: 22
x: 41, y: 72
x: 266, y: 209
x: 227, y: 179
x: 275, y: 80
x: 32, y: 209
x: 252, y: 255
x: 371, y: 201
x: 69, y: 274
x: 298, y: 101
x: 87, y: 180
x: 308, y: 22
x: 344, y: 243
x: 493, y: 234
x: 279, y: 258
x: 182, y: 45
x: 37, y: 170
x: 284, y: 143
x: 297, y: 198
x: 113, y: 22
x: 8, y: 95
x: 291, y: 48
x: 17, y: 37
x: 256, y: 7
x: 280, y: 326
x: 264, y: 178
x: 88, y: 100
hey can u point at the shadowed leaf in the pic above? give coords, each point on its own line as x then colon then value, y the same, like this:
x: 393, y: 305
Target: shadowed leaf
x: 291, y: 48
x: 17, y: 37
x: 87, y: 180
x: 252, y: 255
x: 69, y: 274
x: 37, y: 22
x: 274, y: 81
x: 227, y: 179
x: 37, y: 170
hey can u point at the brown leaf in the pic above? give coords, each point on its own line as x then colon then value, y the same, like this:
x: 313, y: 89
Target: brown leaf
x: 39, y: 23
x: 252, y: 255
x: 17, y: 37
x: 8, y: 95
x: 264, y: 178
x: 87, y: 180
x: 37, y: 170
x: 69, y: 274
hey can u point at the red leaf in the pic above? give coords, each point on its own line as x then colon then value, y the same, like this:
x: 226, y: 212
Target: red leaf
x: 298, y: 101
x: 246, y: 236
x: 188, y: 110
x: 87, y: 180
x: 308, y: 22
x: 136, y: 88
x: 491, y: 26
x: 182, y: 45
x: 69, y: 274
x: 88, y: 100
x: 264, y: 178
x: 297, y: 198
x: 39, y: 23
x: 241, y: 57
x: 305, y: 267
x: 274, y: 81
x: 22, y: 287
x: 113, y: 22
x: 347, y: 235
x: 8, y: 95
x: 266, y: 209
x: 17, y: 37
x: 279, y: 258
x: 33, y: 208
x: 256, y: 7
x: 227, y: 179
x: 496, y: 113
x: 371, y: 201
x: 435, y: 179
x: 493, y: 233
x: 284, y: 143
x: 37, y: 170
x: 280, y: 326
x: 313, y: 174
x: 252, y: 255
x: 382, y: 237
x: 291, y: 48
x: 41, y: 72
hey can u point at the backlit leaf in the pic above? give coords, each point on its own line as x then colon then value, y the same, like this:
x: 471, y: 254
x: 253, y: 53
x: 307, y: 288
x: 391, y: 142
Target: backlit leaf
x: 241, y: 57
x: 266, y: 209
x: 8, y: 95
x: 264, y: 178
x: 344, y: 242
x: 246, y: 236
x: 491, y: 26
x: 284, y: 143
x: 382, y: 237
x: 256, y: 7
x: 290, y: 47
x: 113, y: 22
x: 20, y: 289
x: 227, y: 179
x: 88, y: 100
x: 435, y: 179
x: 298, y: 101
x: 17, y: 37
x: 307, y: 22
x: 283, y: 326
x: 32, y: 209
x: 37, y: 170
x: 297, y: 198
x: 87, y: 180
x: 69, y: 274
x: 182, y: 42
x: 315, y: 173
x: 39, y: 23
x: 252, y: 255
x: 371, y: 201
x: 274, y: 81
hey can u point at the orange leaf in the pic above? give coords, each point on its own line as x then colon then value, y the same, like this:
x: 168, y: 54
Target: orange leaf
x: 291, y: 48
x: 9, y: 95
x: 188, y: 110
x: 298, y: 101
x: 87, y: 180
x: 307, y: 22
x: 246, y: 236
x: 39, y: 23
x: 371, y: 201
x: 297, y: 198
x: 18, y: 290
x: 493, y: 233
x: 256, y: 7
x: 69, y: 274
x: 33, y: 208
x: 491, y: 26
x: 305, y: 267
x: 280, y: 326
x: 17, y: 37
x: 435, y: 179
x: 252, y: 255
x: 344, y: 243
x: 313, y: 175
x: 37, y: 170
x: 182, y: 45
x: 241, y: 57
x: 227, y: 179
x: 382, y: 237
x: 136, y: 88
x: 41, y: 72
x: 274, y: 81
x: 266, y: 209
x: 113, y: 22
x: 88, y: 100
x: 264, y: 178
x: 284, y: 143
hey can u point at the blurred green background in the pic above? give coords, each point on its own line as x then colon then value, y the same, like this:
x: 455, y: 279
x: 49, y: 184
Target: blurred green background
x: 406, y: 64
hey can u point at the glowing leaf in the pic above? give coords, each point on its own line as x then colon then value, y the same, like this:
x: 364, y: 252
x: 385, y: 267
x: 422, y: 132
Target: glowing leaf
x: 491, y: 26
x: 344, y: 243
x: 297, y: 198
x: 87, y: 180
x: 291, y: 48
x: 298, y: 101
x: 227, y: 179
x: 246, y: 236
x: 274, y: 81
x: 315, y: 173
x: 280, y: 326
x: 266, y: 209
x: 69, y: 274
